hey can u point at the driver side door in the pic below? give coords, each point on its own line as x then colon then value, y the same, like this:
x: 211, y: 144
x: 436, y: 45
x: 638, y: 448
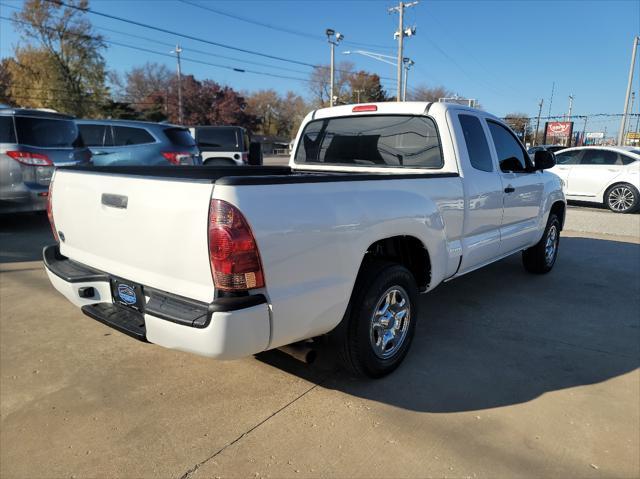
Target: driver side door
x: 523, y: 188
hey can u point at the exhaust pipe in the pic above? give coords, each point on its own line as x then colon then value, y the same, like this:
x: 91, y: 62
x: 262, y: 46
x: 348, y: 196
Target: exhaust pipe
x: 300, y: 351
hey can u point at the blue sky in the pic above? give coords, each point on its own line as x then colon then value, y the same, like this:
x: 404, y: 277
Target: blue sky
x: 504, y: 53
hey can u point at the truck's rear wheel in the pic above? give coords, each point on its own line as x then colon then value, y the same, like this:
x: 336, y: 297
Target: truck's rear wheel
x: 539, y: 259
x: 380, y: 324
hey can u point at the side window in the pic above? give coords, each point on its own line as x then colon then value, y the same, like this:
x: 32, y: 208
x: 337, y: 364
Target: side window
x: 568, y: 157
x: 7, y: 131
x: 476, y: 142
x: 599, y: 157
x: 511, y: 156
x: 95, y: 135
x: 626, y: 160
x: 125, y: 136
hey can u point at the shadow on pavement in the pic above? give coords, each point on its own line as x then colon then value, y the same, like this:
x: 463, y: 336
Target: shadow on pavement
x: 500, y: 336
x: 22, y: 237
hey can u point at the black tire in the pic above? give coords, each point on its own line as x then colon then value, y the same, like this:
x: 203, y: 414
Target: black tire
x: 535, y: 259
x: 355, y: 336
x: 622, y: 198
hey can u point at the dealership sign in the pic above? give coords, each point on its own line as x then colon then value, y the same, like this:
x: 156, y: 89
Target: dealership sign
x: 595, y: 135
x: 559, y: 129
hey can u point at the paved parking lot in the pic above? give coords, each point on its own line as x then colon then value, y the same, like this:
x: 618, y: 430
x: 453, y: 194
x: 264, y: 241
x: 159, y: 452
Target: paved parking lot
x: 509, y: 375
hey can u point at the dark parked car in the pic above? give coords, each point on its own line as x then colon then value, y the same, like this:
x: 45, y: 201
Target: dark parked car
x: 32, y: 143
x: 551, y: 148
x: 124, y: 142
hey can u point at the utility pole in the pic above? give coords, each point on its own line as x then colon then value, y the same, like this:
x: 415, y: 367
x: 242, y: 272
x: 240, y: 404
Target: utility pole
x: 553, y: 88
x: 633, y: 98
x: 333, y: 38
x: 623, y: 121
x: 535, y: 138
x: 408, y: 63
x: 401, y: 33
x: 570, y: 139
x: 584, y: 130
x: 357, y: 92
x: 178, y: 51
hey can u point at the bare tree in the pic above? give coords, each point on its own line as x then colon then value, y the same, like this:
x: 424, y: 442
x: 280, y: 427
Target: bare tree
x: 320, y: 83
x: 425, y: 93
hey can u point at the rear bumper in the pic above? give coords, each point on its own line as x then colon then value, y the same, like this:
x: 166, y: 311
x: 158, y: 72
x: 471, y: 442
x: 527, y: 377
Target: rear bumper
x: 227, y: 328
x: 23, y: 199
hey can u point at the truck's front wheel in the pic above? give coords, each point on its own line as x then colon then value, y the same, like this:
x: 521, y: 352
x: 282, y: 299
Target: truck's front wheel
x: 539, y: 259
x: 381, y: 320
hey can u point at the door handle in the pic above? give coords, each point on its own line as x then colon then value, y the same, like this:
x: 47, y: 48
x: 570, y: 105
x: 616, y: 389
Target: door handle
x: 509, y: 189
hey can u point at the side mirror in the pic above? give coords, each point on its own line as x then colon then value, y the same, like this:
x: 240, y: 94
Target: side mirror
x: 255, y: 153
x: 544, y: 159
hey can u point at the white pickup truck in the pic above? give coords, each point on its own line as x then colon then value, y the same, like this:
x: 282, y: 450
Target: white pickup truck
x: 380, y: 202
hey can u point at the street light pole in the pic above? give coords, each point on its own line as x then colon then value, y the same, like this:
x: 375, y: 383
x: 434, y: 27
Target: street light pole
x: 408, y: 63
x: 623, y: 121
x: 333, y: 38
x: 178, y: 51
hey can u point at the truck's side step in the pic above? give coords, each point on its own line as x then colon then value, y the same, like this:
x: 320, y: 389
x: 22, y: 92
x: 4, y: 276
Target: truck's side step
x: 126, y: 321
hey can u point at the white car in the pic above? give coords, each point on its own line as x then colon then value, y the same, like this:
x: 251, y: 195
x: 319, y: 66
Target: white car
x: 609, y: 175
x: 380, y: 202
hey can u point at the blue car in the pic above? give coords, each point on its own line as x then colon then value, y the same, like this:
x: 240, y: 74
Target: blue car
x: 124, y: 142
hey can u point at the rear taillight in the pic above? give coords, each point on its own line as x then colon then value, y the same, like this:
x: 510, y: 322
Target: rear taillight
x: 50, y: 212
x: 180, y: 158
x: 31, y: 159
x: 245, y: 158
x: 233, y: 252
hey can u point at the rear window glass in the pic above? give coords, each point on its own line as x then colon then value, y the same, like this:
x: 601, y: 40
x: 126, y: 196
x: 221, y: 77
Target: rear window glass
x: 219, y: 138
x: 599, y: 157
x: 476, y: 141
x: 96, y: 135
x: 379, y: 141
x: 126, y: 135
x: 180, y: 137
x: 7, y: 133
x: 47, y: 132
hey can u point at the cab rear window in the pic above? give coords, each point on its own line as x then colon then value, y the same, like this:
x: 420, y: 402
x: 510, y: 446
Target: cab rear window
x: 400, y: 141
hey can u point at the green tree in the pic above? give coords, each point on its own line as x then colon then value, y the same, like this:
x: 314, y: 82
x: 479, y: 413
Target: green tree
x: 61, y: 46
x: 5, y: 82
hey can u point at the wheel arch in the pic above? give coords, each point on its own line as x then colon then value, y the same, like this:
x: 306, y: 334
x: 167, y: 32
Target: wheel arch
x: 407, y: 251
x: 560, y: 209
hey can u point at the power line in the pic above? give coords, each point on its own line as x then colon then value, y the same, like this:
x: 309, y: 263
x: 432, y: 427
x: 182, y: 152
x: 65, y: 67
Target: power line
x: 183, y: 35
x: 271, y: 26
x: 160, y: 42
x: 155, y: 52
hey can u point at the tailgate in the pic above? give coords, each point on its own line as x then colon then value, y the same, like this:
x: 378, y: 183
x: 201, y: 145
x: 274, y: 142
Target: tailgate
x: 159, y: 239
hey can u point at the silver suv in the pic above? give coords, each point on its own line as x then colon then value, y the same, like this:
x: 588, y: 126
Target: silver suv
x: 32, y: 143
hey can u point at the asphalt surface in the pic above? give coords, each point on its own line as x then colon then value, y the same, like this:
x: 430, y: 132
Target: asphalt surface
x: 510, y: 375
